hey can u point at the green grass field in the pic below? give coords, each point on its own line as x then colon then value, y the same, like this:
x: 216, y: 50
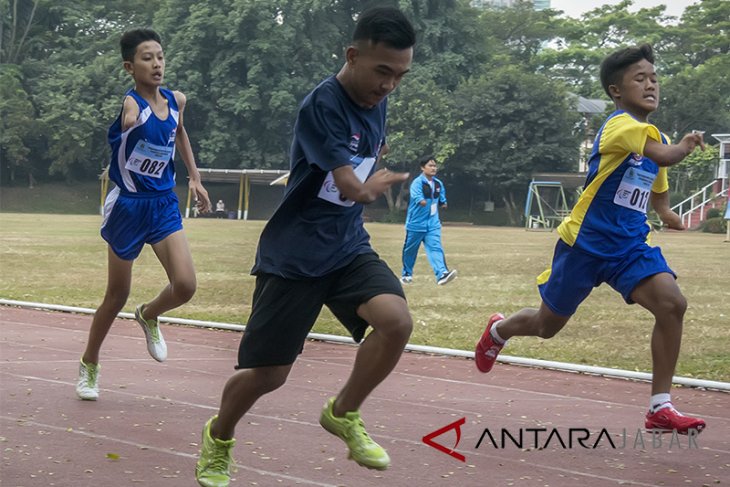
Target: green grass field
x: 61, y: 259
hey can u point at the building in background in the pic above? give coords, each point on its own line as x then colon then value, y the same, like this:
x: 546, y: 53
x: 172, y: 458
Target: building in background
x: 538, y: 4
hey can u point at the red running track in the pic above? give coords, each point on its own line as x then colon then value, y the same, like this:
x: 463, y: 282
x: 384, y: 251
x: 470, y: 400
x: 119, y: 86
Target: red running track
x: 145, y: 428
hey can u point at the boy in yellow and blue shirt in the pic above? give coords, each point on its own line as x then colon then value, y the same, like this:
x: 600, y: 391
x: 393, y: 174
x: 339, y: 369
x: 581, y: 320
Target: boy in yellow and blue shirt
x: 605, y: 237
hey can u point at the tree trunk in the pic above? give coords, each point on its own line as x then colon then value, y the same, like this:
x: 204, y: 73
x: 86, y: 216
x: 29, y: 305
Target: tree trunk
x: 400, y: 200
x: 389, y: 198
x: 511, y: 208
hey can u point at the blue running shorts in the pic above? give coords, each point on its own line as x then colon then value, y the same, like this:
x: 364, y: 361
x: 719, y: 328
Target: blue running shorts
x: 132, y: 220
x: 573, y: 274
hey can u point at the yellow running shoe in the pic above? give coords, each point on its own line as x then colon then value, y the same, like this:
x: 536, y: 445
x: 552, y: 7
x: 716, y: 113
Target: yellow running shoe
x: 214, y: 465
x: 351, y: 430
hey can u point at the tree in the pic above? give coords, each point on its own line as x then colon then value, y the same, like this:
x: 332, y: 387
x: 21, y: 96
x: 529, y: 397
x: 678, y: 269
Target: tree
x: 487, y: 93
x: 452, y: 43
x: 247, y: 64
x: 694, y: 172
x: 520, y: 33
x: 581, y: 44
x: 17, y: 124
x: 702, y: 34
x: 697, y: 98
x: 61, y: 54
x: 511, y: 124
x: 419, y: 122
x: 81, y: 83
x: 449, y: 49
x: 17, y: 27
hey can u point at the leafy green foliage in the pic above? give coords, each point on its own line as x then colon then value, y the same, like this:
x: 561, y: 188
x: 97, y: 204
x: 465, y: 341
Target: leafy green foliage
x: 714, y: 225
x: 695, y: 171
x: 697, y: 98
x: 512, y: 124
x: 487, y: 93
x: 17, y: 120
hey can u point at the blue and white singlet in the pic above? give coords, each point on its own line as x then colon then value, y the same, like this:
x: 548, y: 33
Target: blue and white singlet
x: 142, y: 155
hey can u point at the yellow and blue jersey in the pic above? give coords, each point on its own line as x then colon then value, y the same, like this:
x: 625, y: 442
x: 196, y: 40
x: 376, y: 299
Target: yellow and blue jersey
x: 609, y: 219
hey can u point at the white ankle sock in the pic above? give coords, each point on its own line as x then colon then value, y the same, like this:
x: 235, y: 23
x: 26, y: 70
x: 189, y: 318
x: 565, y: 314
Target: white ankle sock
x: 660, y: 401
x: 495, y: 335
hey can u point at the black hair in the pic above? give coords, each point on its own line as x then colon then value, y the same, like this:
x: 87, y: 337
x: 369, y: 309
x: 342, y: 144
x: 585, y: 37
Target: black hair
x: 615, y: 64
x: 133, y: 38
x: 387, y: 25
x: 424, y: 160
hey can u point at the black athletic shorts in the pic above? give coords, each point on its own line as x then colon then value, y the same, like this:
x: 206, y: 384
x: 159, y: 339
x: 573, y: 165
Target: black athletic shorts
x: 284, y: 310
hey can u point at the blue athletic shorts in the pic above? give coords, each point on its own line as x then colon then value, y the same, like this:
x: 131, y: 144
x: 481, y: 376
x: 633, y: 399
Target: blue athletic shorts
x: 573, y: 274
x: 132, y: 220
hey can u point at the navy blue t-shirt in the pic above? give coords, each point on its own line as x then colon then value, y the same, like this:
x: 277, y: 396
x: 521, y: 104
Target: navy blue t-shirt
x: 315, y: 230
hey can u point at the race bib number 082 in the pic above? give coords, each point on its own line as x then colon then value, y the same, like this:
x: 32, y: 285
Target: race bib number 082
x: 149, y: 159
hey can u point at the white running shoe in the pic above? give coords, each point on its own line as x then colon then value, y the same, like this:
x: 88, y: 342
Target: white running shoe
x: 87, y: 388
x: 155, y: 343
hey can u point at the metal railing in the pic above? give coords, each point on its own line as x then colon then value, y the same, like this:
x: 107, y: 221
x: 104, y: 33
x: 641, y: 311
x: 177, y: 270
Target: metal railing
x: 686, y: 208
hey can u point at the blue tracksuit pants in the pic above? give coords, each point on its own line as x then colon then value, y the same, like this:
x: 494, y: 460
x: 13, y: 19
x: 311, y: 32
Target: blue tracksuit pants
x: 434, y: 251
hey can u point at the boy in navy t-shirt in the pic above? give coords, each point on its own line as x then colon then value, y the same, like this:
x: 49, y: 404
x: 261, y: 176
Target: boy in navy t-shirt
x: 314, y: 251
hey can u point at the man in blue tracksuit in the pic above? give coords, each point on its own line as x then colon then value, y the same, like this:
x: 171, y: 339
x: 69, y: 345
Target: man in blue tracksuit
x: 423, y: 224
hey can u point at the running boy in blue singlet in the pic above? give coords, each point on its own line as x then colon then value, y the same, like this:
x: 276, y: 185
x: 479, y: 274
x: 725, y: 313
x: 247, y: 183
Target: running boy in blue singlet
x: 605, y: 238
x: 314, y: 251
x: 143, y: 208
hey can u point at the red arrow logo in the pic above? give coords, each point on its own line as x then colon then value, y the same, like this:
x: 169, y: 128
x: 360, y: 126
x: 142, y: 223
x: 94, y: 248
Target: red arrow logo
x: 456, y: 425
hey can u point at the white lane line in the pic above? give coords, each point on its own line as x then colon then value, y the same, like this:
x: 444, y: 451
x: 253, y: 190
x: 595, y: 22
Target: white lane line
x: 535, y: 363
x: 25, y: 422
x: 535, y: 395
x: 379, y: 435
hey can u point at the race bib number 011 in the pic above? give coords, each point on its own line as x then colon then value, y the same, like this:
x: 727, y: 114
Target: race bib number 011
x: 634, y: 190
x: 149, y: 159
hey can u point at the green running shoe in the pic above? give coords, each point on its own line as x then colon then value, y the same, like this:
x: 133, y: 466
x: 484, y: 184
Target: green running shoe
x: 351, y: 430
x: 214, y: 465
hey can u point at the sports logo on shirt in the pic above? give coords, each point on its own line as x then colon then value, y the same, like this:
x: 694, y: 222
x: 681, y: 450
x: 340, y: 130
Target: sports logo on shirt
x: 354, y: 142
x: 635, y: 159
x: 329, y: 187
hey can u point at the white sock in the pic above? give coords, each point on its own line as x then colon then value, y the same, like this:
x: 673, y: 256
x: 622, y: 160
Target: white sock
x: 495, y: 336
x: 660, y: 401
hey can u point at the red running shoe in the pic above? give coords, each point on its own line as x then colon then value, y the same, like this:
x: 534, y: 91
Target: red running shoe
x: 669, y: 419
x: 487, y: 350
